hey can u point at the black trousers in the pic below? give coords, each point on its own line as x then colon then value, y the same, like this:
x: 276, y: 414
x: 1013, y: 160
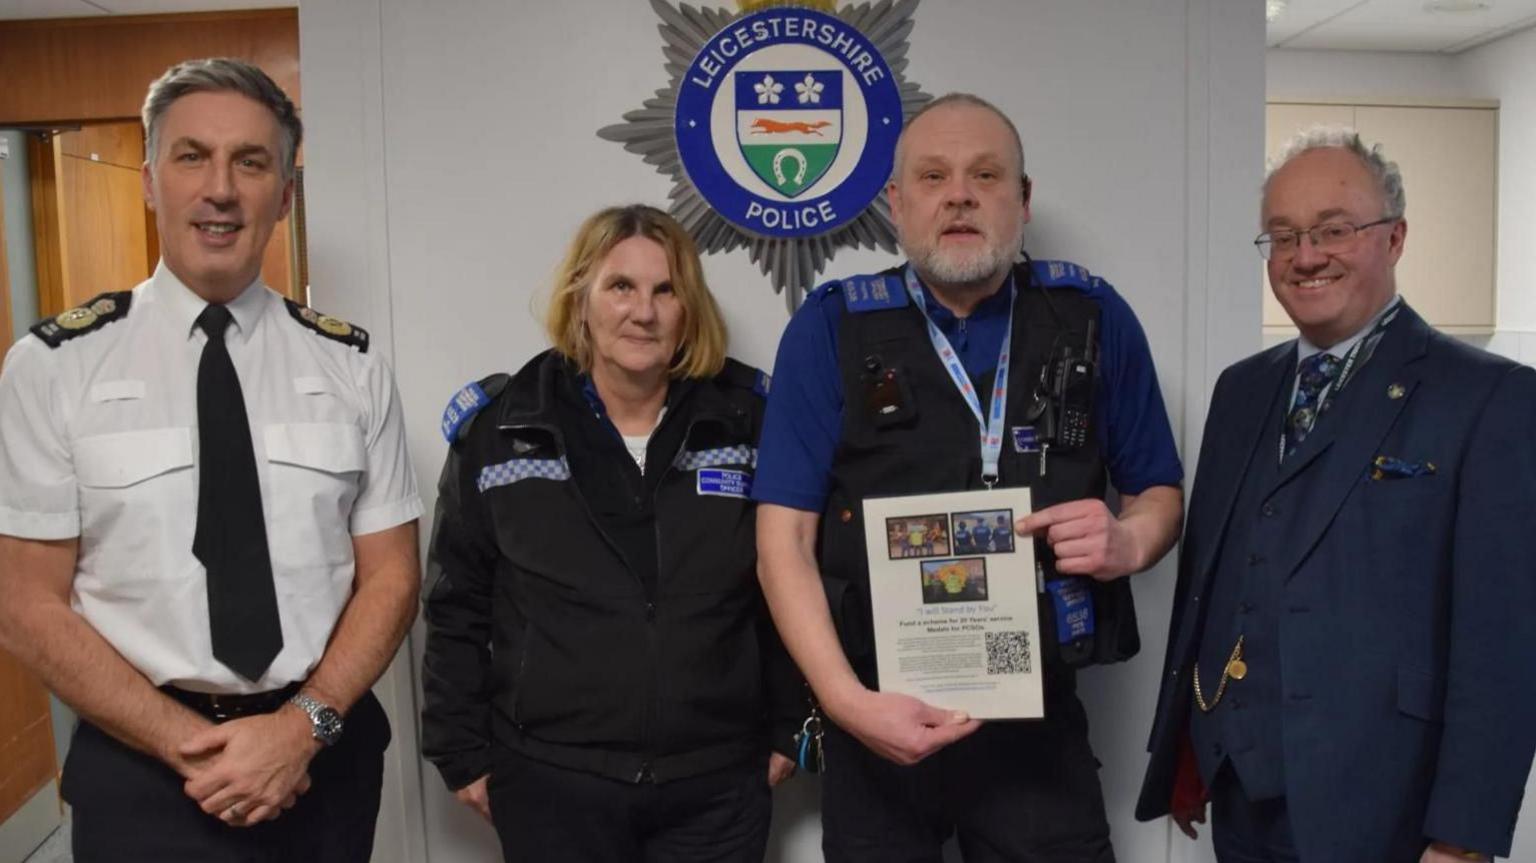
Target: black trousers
x: 128, y: 807
x: 548, y: 813
x: 1248, y: 831
x: 1024, y: 792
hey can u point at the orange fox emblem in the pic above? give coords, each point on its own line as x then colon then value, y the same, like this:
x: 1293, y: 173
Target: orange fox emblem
x: 763, y: 125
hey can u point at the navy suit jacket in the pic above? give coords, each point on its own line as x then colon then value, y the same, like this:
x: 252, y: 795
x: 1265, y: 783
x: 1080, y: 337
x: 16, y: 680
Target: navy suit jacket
x: 1408, y: 616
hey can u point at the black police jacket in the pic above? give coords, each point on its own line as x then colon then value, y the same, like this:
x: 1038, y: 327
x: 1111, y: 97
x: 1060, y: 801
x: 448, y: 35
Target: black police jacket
x: 545, y: 638
x: 928, y: 444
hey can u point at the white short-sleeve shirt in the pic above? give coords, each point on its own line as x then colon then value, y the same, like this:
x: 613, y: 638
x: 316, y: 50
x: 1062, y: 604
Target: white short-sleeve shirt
x: 98, y: 440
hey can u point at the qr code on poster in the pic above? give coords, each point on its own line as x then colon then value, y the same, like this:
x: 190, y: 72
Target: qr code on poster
x: 1008, y: 652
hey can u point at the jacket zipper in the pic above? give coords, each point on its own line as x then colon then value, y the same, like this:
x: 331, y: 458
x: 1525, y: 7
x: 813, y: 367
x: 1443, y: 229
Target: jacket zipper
x: 650, y: 718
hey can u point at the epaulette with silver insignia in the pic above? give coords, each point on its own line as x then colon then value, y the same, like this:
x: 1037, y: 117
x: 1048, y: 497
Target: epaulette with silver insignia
x: 88, y: 318
x: 332, y: 328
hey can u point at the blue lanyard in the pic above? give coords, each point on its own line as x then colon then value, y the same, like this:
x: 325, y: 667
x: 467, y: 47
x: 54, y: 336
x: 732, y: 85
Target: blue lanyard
x: 991, y: 429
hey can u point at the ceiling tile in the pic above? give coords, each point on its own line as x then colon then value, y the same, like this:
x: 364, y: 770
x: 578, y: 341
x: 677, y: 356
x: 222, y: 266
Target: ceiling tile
x: 1384, y: 37
x: 1299, y: 15
x: 1393, y: 25
x: 1501, y: 14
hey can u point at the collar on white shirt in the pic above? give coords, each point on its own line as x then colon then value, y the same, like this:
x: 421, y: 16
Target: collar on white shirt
x: 1306, y: 349
x: 183, y: 306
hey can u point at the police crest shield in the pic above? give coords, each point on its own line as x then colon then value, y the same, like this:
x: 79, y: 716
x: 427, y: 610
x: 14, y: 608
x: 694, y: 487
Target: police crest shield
x: 789, y: 138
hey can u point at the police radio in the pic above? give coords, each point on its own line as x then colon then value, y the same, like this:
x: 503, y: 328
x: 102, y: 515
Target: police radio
x: 1073, y: 391
x: 1063, y: 399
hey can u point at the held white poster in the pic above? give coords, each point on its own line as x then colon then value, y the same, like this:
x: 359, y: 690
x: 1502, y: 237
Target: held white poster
x: 953, y: 592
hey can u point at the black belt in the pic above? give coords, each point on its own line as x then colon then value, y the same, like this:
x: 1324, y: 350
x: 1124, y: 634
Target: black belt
x: 222, y: 707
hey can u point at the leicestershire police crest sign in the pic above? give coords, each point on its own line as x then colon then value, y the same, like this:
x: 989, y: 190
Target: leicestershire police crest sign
x: 779, y: 129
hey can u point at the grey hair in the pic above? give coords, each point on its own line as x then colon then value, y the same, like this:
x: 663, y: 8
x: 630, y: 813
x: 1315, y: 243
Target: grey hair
x: 967, y: 99
x: 1388, y: 178
x: 216, y: 75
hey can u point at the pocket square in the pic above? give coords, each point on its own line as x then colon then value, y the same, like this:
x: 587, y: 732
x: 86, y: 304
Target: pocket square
x: 1391, y: 467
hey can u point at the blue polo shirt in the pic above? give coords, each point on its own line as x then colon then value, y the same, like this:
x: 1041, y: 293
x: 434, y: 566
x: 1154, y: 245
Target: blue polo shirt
x: 805, y: 407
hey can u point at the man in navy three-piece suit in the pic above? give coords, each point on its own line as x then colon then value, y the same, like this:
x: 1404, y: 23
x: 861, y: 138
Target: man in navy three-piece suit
x: 1351, y: 667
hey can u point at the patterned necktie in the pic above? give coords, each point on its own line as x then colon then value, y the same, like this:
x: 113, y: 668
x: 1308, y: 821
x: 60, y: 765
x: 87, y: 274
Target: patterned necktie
x: 1312, y: 377
x: 231, y: 537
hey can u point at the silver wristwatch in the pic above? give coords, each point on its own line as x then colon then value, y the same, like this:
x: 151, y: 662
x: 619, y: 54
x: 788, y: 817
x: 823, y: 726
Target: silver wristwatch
x: 326, y: 721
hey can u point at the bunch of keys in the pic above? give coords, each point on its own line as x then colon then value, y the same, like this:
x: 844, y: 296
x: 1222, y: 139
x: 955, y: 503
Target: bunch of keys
x: 809, y: 754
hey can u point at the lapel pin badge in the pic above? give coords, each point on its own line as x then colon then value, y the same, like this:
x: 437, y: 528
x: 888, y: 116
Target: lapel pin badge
x: 1396, y: 391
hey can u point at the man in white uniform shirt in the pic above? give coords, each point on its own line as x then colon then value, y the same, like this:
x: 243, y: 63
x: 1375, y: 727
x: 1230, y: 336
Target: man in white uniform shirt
x: 208, y: 518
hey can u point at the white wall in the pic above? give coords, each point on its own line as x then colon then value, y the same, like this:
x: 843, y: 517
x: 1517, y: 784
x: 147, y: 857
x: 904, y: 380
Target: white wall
x: 1362, y: 74
x: 1504, y: 70
x: 452, y: 151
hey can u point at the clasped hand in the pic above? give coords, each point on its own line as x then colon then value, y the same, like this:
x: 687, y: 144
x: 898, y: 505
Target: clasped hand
x: 246, y: 771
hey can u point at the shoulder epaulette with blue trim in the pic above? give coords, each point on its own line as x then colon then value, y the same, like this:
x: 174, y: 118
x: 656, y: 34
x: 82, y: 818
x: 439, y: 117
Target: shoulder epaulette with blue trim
x: 1065, y: 274
x: 332, y: 328
x: 739, y: 374
x: 873, y: 293
x: 822, y: 291
x: 103, y: 309
x: 470, y: 401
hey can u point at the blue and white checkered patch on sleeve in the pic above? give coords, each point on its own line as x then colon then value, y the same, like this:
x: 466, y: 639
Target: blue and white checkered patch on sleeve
x: 696, y: 459
x: 508, y: 472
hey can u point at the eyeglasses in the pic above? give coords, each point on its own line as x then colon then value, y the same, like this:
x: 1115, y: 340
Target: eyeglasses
x: 1328, y: 237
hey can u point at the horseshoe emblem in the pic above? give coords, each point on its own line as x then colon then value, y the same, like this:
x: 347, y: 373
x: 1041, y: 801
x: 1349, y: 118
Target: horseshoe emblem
x: 785, y: 155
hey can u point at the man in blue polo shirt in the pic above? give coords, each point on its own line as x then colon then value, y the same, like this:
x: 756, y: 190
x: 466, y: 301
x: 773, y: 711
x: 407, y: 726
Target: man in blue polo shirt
x: 862, y: 406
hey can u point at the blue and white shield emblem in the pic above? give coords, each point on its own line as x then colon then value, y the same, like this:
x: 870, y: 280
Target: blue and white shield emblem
x: 789, y: 124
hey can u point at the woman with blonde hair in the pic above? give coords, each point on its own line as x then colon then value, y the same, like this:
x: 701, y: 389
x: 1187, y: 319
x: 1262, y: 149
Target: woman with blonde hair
x: 602, y: 680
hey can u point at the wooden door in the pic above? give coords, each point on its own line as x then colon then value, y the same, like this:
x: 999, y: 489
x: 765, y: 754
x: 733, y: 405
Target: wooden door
x: 28, y: 763
x: 93, y: 232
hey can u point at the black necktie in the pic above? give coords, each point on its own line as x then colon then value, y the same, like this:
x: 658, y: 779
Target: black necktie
x: 231, y: 539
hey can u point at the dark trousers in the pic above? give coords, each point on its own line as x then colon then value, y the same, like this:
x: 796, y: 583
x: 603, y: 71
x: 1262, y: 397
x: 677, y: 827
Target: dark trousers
x: 128, y: 807
x: 1024, y: 792
x: 1248, y: 831
x: 548, y: 813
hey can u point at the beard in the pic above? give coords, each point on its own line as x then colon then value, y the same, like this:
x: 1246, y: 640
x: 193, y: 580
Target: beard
x: 964, y: 268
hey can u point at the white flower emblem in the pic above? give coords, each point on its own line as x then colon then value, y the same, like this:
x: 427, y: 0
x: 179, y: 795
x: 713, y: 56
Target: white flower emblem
x: 809, y: 90
x: 768, y: 91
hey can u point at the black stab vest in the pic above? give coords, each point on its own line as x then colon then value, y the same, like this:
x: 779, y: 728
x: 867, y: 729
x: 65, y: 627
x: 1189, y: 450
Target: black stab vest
x: 930, y: 445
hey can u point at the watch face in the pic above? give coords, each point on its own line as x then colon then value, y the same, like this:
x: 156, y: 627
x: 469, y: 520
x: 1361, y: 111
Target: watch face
x: 327, y: 725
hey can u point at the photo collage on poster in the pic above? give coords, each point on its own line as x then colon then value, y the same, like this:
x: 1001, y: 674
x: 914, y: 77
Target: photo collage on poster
x: 950, y: 549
